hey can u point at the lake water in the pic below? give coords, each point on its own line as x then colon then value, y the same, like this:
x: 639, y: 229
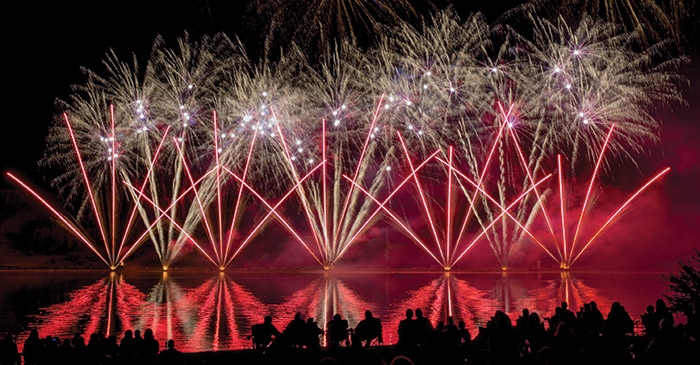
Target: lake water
x: 214, y: 312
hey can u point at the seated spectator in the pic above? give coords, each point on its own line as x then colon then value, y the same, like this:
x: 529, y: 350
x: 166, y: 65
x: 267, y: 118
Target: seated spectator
x: 171, y: 355
x: 312, y: 333
x: 337, y: 331
x: 264, y: 333
x: 368, y: 330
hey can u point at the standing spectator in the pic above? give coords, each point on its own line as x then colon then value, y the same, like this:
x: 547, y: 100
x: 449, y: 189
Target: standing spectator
x: 407, y: 332
x: 650, y: 321
x: 668, y: 346
x: 127, y: 348
x: 148, y: 353
x: 9, y: 354
x: 597, y: 319
x: 617, y: 326
x: 423, y: 327
x: 33, y: 348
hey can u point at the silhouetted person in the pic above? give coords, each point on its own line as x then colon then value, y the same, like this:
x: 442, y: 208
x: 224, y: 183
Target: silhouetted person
x: 663, y: 312
x: 367, y: 330
x: 94, y: 348
x: 312, y: 333
x: 50, y: 351
x: 564, y: 346
x: 33, y: 348
x: 535, y: 334
x: 138, y: 342
x: 148, y: 353
x: 80, y: 348
x: 651, y: 322
x: 171, y: 355
x: 66, y: 353
x: 9, y: 353
x: 264, y: 333
x: 597, y: 319
x: 567, y: 315
x: 465, y: 336
x: 111, y: 349
x: 465, y: 339
x: 423, y: 327
x: 502, y: 341
x: 127, y: 348
x: 407, y: 332
x: 479, y: 351
x: 337, y: 331
x: 668, y: 346
x: 434, y: 349
x: 615, y: 329
x: 295, y: 331
x: 521, y: 321
x: 451, y: 333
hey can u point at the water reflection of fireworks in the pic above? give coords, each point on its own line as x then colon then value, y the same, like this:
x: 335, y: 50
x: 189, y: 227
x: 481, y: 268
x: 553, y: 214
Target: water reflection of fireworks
x: 546, y: 298
x: 447, y: 296
x: 108, y: 306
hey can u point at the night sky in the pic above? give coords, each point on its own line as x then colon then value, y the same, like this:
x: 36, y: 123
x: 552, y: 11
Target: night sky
x: 47, y: 43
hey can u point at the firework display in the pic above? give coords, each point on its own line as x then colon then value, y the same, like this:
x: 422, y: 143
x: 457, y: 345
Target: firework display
x: 453, y: 132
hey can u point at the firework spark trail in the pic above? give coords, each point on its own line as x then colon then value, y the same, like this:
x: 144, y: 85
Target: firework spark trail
x: 72, y: 227
x: 652, y: 20
x: 113, y: 254
x: 529, y: 174
x: 567, y: 81
x: 623, y: 206
x: 498, y: 204
x: 315, y: 202
x: 588, y: 193
x: 273, y: 210
x: 221, y: 257
x: 567, y: 252
x: 406, y: 229
x: 391, y: 194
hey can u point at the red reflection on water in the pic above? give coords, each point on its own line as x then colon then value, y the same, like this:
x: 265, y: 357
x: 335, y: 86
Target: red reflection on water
x: 321, y: 299
x: 107, y: 306
x: 216, y: 313
x: 545, y: 299
x: 446, y: 296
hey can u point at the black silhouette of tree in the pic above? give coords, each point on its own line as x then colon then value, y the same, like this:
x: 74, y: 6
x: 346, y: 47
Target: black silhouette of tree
x: 685, y: 287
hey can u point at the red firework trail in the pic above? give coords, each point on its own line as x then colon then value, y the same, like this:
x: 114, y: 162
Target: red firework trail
x: 221, y: 245
x: 567, y: 252
x: 446, y: 261
x: 113, y: 254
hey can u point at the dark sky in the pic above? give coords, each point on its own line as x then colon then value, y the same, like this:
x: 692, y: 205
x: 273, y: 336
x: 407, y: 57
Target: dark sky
x: 46, y: 43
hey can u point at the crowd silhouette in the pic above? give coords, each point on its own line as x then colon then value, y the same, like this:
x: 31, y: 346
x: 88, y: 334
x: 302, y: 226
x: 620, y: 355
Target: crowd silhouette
x: 582, y: 338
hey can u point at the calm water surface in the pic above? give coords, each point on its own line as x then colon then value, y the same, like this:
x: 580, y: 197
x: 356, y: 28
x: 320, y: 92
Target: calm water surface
x: 204, y: 312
